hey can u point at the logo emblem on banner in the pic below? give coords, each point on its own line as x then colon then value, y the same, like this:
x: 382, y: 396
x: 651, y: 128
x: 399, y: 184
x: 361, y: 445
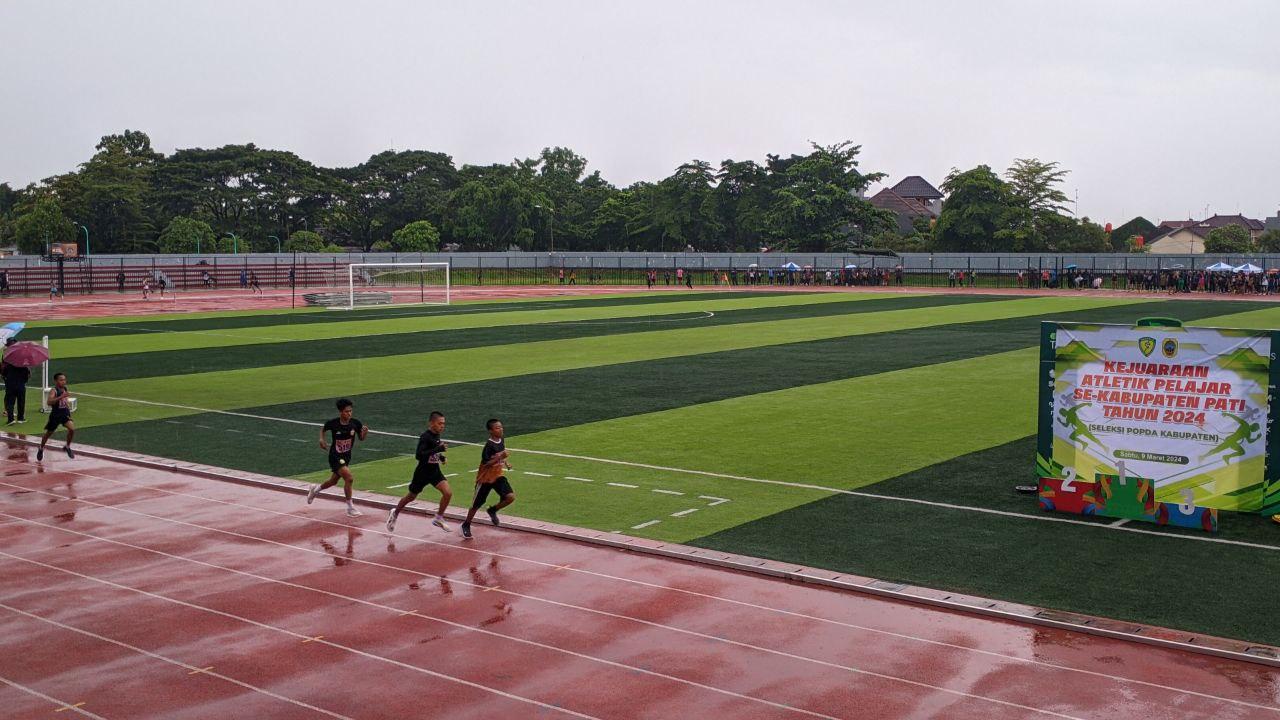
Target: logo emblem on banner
x: 1169, y: 347
x: 1147, y: 345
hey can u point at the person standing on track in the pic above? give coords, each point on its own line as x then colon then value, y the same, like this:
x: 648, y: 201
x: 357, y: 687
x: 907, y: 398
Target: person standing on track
x: 430, y: 455
x: 345, y: 430
x: 15, y: 389
x: 490, y: 477
x: 59, y: 414
x: 254, y: 284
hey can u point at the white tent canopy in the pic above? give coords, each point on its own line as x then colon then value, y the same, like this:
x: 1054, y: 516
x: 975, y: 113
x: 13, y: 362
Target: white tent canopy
x: 1248, y: 268
x: 1220, y: 267
x: 791, y: 266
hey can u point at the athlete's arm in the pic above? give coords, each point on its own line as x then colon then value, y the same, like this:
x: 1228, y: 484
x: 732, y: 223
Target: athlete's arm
x: 323, y: 445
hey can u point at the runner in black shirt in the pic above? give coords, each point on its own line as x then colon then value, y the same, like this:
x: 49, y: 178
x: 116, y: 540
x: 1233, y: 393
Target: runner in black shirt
x: 430, y: 455
x: 59, y: 414
x: 345, y: 430
x: 493, y: 460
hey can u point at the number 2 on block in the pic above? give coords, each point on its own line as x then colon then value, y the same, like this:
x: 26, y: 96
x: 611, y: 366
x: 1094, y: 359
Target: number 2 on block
x: 1068, y: 479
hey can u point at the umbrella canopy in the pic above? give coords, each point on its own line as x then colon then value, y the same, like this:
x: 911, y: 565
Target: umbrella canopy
x: 26, y: 354
x: 791, y: 266
x: 850, y: 267
x: 10, y: 330
x: 1248, y: 268
x: 1071, y: 267
x: 1220, y: 267
x: 754, y: 265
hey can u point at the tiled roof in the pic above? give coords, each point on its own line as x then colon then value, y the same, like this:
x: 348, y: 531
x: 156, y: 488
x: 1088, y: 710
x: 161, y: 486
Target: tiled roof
x: 916, y: 187
x: 889, y: 200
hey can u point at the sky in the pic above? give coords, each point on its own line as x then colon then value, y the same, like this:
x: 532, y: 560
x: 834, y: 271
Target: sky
x: 1165, y: 109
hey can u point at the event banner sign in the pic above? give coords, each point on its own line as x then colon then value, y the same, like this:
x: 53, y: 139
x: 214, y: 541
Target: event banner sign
x: 1157, y: 421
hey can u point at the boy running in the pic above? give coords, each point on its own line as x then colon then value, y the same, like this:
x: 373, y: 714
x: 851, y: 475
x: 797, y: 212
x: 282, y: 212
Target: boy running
x: 493, y: 460
x: 345, y: 429
x: 59, y: 414
x: 430, y: 456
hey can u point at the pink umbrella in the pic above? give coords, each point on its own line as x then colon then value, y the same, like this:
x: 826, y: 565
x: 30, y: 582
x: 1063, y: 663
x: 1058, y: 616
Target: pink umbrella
x: 26, y: 354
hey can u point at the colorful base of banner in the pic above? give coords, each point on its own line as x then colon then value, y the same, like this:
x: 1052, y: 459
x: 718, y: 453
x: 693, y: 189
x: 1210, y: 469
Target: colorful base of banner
x: 1124, y: 499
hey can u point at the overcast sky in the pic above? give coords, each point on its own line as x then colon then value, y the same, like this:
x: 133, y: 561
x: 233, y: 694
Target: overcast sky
x: 1157, y: 108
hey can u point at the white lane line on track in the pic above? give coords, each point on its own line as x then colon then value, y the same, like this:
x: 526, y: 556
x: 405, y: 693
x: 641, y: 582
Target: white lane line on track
x: 460, y: 626
x: 192, y: 668
x: 1041, y: 517
x: 49, y: 698
x: 655, y: 586
x: 299, y: 636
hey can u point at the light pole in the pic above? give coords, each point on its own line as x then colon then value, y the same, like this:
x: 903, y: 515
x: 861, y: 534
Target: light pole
x: 235, y: 243
x: 273, y: 237
x: 551, y: 226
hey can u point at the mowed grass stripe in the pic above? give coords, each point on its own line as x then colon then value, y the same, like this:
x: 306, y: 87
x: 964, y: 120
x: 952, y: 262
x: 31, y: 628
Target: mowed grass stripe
x: 241, y: 319
x: 293, y: 383
x: 542, y: 401
x: 84, y: 347
x: 178, y: 362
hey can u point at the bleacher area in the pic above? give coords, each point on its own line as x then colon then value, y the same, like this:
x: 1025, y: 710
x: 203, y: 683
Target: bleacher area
x: 87, y: 277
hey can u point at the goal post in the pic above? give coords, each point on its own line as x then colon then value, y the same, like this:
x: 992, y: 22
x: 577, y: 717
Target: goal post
x: 397, y: 283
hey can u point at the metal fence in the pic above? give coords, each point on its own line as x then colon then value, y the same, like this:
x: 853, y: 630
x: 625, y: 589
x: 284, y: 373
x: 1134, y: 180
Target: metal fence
x: 125, y: 273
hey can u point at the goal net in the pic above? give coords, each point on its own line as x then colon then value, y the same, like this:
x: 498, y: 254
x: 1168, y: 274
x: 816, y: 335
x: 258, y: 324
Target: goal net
x: 402, y: 283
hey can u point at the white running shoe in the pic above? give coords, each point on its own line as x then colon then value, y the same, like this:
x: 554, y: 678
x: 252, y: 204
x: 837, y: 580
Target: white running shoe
x: 391, y: 520
x: 353, y: 512
x: 311, y: 494
x: 440, y: 524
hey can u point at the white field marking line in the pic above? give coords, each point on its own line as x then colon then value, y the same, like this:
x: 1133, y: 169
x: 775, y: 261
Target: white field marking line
x: 622, y: 485
x: 645, y: 524
x: 579, y: 479
x: 535, y: 474
x: 192, y: 668
x: 744, y: 478
x: 1120, y: 522
x: 605, y: 613
x: 450, y: 623
x: 47, y: 698
x: 450, y: 474
x: 299, y: 636
x: 703, y: 315
x: 666, y: 492
x: 392, y: 487
x: 715, y: 500
x: 681, y: 591
x: 682, y: 513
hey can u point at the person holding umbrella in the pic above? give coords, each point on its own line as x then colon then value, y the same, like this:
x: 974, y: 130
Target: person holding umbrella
x: 15, y: 387
x: 59, y: 414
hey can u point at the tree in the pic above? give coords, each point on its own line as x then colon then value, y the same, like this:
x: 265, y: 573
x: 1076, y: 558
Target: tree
x: 1269, y: 241
x: 40, y: 224
x: 1228, y: 240
x: 816, y: 204
x: 1122, y: 237
x: 187, y: 235
x: 977, y: 210
x: 1067, y: 235
x: 1036, y: 201
x: 305, y: 241
x: 419, y: 236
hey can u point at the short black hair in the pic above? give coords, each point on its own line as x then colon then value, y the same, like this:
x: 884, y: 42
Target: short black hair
x: 58, y: 375
x: 343, y: 404
x: 488, y: 425
x: 434, y: 414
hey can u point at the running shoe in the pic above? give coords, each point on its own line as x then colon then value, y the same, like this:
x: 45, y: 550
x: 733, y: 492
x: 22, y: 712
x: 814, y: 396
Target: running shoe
x: 70, y: 454
x: 493, y: 515
x: 466, y: 530
x: 353, y: 512
x: 311, y: 494
x: 39, y: 454
x: 391, y: 520
x: 440, y: 524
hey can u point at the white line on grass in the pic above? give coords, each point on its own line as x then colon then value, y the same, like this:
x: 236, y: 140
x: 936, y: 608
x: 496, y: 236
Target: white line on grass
x: 622, y: 485
x: 716, y: 500
x: 389, y: 487
x: 570, y: 477
x: 536, y: 474
x: 666, y: 492
x: 682, y: 513
x: 645, y: 524
x: 741, y: 478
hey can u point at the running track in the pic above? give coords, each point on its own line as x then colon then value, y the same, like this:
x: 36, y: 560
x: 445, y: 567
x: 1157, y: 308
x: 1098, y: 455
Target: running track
x: 135, y: 593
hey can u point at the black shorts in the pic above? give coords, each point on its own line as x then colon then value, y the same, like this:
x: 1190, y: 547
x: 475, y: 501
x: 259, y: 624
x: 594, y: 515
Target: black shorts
x: 502, y: 486
x: 422, y: 479
x: 340, y: 460
x: 55, y: 420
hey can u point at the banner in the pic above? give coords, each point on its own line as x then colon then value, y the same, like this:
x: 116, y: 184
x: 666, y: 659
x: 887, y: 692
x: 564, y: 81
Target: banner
x: 1186, y: 409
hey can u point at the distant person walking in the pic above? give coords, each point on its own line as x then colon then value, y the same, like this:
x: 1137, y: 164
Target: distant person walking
x: 15, y: 389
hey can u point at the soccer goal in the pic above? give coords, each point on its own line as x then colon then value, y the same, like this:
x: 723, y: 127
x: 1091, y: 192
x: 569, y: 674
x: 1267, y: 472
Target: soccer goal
x: 400, y: 283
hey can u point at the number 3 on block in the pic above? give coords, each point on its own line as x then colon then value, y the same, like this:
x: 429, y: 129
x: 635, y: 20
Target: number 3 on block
x: 1188, y: 505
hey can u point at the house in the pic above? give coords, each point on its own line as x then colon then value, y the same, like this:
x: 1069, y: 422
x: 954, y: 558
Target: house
x: 913, y: 197
x: 1184, y: 237
x: 1273, y: 223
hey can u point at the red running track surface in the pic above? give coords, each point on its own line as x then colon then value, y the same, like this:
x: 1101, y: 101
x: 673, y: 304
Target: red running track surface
x: 135, y: 593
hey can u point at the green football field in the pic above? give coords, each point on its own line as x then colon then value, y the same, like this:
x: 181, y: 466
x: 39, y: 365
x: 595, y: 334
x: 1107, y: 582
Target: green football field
x: 863, y: 432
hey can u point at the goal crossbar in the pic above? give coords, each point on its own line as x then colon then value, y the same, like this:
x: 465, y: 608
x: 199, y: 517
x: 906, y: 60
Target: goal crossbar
x: 353, y: 268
